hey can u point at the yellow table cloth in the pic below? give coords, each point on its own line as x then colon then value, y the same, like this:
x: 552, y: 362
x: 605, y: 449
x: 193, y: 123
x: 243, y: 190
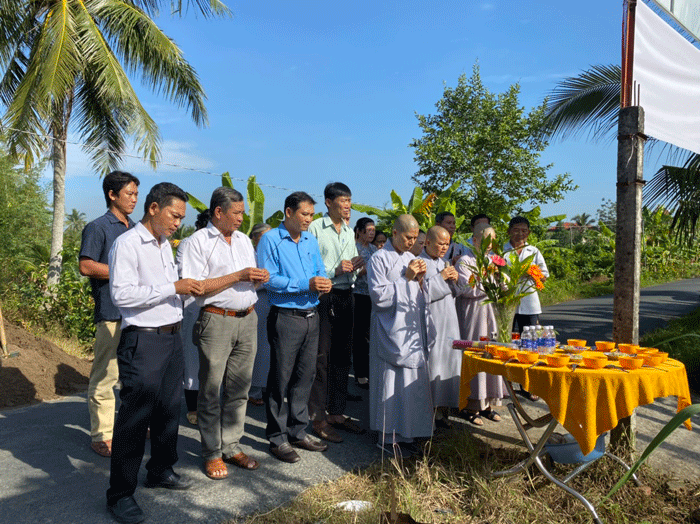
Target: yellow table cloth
x: 586, y: 402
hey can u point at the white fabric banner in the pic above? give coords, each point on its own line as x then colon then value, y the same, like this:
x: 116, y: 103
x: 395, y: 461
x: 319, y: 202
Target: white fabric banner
x: 667, y: 71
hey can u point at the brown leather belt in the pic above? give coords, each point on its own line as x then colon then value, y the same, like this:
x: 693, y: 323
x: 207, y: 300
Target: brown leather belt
x: 170, y: 328
x: 228, y: 312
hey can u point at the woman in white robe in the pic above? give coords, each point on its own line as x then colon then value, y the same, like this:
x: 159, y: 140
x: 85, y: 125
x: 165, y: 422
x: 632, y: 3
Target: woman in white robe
x: 476, y: 320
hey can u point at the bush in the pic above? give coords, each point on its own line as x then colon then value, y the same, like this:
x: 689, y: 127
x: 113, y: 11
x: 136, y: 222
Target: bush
x: 67, y: 306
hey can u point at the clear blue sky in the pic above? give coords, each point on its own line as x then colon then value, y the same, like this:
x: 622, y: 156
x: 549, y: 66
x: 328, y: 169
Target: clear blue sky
x: 304, y: 93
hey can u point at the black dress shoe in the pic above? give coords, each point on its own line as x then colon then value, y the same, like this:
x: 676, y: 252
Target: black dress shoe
x: 167, y: 480
x: 310, y: 444
x: 285, y: 453
x: 126, y: 511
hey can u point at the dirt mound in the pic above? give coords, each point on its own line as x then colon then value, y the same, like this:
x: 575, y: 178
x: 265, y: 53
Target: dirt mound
x: 42, y: 370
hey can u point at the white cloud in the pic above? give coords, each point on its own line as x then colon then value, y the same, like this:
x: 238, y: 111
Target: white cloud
x: 175, y: 157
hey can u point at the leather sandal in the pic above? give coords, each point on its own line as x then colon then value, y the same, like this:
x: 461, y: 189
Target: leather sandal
x: 215, y: 469
x: 472, y: 417
x: 102, y: 448
x: 242, y: 461
x: 490, y: 414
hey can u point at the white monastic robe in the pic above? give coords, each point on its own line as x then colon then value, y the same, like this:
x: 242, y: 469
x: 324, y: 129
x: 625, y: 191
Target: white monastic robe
x: 444, y: 363
x: 477, y: 319
x: 399, y: 385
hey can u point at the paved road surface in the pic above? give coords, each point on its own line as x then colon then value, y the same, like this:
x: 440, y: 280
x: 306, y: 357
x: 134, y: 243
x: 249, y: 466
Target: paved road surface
x: 48, y: 474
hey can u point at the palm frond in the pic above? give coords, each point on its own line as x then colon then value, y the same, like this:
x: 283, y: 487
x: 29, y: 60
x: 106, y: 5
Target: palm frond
x: 587, y: 103
x: 678, y: 189
x: 146, y: 50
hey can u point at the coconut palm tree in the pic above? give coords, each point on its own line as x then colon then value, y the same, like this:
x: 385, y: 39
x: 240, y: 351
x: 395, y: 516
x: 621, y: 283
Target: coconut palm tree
x: 75, y: 221
x: 65, y: 67
x: 590, y: 103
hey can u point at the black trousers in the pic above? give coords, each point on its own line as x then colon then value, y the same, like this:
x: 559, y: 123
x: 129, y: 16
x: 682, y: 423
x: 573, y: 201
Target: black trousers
x: 360, y: 336
x: 293, y: 349
x: 151, y: 370
x: 520, y: 321
x: 330, y: 389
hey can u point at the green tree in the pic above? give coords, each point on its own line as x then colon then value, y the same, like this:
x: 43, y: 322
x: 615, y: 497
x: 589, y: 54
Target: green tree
x: 590, y: 103
x: 66, y: 63
x: 24, y: 219
x: 490, y: 145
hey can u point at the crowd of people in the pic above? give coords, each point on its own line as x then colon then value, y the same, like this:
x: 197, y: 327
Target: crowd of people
x: 280, y: 318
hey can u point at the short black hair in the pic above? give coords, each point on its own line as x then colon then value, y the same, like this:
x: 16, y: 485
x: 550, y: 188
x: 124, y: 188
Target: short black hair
x: 362, y: 224
x: 518, y: 220
x: 377, y: 233
x: 296, y: 198
x: 115, y: 181
x: 163, y: 194
x: 441, y: 216
x: 479, y: 217
x: 335, y: 190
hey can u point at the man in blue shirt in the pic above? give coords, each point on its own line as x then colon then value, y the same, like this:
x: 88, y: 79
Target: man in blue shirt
x: 297, y: 276
x: 121, y: 193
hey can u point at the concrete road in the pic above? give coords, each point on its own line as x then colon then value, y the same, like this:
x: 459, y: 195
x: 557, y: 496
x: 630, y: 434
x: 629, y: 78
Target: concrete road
x: 48, y: 474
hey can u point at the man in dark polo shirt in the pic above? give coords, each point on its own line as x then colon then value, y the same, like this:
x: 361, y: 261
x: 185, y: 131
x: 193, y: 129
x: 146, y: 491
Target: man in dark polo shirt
x: 121, y: 193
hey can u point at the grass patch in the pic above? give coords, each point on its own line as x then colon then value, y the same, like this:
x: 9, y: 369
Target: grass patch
x: 681, y: 339
x: 451, y: 484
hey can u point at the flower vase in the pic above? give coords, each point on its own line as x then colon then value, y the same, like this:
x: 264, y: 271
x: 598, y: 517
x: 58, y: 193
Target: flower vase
x: 504, y: 321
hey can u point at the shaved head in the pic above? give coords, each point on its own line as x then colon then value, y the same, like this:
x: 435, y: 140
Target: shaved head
x: 436, y: 232
x: 405, y: 223
x: 482, y: 231
x: 405, y: 233
x: 437, y: 242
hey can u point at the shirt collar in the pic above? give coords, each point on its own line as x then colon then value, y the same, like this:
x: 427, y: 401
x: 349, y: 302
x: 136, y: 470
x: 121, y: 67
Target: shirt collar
x: 146, y: 235
x: 113, y: 218
x: 326, y: 221
x: 285, y: 234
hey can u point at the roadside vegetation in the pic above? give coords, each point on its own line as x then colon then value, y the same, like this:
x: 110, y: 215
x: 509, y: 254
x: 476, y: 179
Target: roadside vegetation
x: 451, y: 484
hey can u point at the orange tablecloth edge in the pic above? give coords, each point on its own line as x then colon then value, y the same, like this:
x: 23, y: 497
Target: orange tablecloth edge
x: 564, y: 391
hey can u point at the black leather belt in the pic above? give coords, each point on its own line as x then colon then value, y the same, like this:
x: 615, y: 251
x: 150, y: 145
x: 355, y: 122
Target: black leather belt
x: 170, y: 328
x: 306, y: 313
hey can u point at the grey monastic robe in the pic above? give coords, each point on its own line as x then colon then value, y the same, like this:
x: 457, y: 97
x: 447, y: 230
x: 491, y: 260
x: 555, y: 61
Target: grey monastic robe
x: 444, y: 363
x: 399, y: 385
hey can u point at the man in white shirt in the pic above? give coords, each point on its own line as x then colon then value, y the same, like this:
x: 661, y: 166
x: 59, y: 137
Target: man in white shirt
x: 226, y: 332
x: 144, y: 286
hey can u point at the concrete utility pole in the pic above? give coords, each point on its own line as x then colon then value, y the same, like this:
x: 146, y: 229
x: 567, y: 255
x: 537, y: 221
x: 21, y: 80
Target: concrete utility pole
x: 628, y: 237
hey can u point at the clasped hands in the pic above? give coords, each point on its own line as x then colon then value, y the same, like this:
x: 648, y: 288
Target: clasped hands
x: 416, y: 269
x: 348, y: 266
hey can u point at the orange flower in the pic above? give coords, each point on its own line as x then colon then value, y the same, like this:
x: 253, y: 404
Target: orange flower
x: 536, y: 274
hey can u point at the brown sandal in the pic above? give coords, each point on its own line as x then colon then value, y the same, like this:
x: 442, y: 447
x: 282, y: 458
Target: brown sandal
x: 102, y: 448
x: 214, y: 468
x: 242, y: 461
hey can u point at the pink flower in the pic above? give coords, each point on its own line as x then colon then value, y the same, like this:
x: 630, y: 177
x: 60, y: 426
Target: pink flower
x: 498, y: 260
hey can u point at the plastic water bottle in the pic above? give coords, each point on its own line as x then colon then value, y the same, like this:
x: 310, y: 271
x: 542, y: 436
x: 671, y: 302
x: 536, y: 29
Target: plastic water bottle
x: 551, y: 339
x: 540, y: 340
x: 526, y: 341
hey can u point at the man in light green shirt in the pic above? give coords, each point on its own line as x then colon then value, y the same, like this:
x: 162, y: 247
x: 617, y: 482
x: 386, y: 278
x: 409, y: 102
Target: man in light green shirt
x: 339, y: 253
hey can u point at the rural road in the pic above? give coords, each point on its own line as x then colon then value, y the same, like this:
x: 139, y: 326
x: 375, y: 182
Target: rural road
x: 48, y: 474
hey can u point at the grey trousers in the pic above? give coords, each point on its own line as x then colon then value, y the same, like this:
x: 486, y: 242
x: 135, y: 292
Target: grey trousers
x: 227, y: 347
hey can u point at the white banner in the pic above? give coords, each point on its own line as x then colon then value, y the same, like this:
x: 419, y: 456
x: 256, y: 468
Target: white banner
x: 686, y: 13
x: 667, y: 71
